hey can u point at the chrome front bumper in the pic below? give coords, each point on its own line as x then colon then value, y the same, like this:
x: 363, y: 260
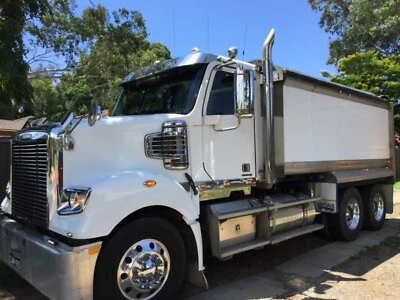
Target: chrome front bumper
x: 55, y: 269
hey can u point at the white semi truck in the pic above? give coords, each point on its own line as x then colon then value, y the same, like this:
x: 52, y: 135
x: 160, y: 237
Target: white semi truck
x: 201, y: 154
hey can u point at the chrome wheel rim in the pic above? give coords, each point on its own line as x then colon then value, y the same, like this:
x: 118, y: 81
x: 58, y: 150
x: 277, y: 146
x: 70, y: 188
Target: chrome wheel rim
x: 378, y: 206
x: 352, y: 214
x: 143, y: 269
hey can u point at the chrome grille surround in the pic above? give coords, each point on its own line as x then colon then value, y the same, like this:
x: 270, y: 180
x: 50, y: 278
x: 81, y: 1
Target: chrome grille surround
x: 36, y: 176
x: 170, y: 145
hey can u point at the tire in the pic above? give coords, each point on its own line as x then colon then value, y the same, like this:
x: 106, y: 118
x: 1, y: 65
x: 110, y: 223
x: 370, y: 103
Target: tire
x: 375, y: 208
x: 145, y: 259
x: 347, y: 223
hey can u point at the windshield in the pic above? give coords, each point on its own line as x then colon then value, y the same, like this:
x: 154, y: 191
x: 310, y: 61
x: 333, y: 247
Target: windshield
x: 172, y: 91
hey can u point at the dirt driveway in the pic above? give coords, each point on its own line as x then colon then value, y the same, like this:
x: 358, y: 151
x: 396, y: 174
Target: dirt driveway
x: 373, y: 274
x: 307, y: 267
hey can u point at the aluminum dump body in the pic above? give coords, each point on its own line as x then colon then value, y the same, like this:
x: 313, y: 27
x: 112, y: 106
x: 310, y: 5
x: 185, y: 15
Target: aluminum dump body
x: 322, y: 127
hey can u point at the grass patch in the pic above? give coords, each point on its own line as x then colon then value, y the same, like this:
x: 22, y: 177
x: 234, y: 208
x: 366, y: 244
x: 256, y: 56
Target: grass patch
x: 370, y: 250
x: 397, y: 185
x: 10, y: 280
x: 391, y: 241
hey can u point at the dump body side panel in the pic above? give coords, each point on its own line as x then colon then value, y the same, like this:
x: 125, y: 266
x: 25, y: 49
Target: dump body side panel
x: 327, y: 129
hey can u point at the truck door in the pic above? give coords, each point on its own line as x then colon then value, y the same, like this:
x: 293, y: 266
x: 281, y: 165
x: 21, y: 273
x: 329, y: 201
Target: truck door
x: 228, y: 142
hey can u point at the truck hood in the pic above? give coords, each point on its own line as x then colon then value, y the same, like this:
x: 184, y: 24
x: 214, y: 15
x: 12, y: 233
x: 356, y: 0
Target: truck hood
x: 112, y: 146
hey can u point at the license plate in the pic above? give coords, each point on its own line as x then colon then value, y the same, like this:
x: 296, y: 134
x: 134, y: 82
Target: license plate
x: 14, y: 261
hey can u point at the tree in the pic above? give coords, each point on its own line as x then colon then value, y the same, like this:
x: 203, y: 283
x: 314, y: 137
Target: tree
x: 98, y: 49
x: 50, y: 100
x: 119, y: 46
x: 52, y: 34
x: 370, y: 71
x: 360, y: 25
x: 103, y: 68
x: 15, y: 89
x: 107, y: 47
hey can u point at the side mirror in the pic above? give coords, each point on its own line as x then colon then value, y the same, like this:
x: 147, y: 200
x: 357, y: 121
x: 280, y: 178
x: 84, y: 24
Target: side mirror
x: 94, y: 114
x: 244, y: 93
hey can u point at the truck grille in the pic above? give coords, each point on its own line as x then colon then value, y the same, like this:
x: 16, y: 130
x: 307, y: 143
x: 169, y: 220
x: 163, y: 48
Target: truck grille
x: 29, y: 182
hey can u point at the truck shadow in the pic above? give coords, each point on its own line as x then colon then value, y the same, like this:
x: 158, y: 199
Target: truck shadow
x: 252, y: 263
x: 373, y: 248
x: 357, y: 267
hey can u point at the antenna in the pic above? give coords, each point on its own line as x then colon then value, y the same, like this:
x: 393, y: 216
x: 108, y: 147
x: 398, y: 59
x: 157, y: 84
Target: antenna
x: 244, y: 43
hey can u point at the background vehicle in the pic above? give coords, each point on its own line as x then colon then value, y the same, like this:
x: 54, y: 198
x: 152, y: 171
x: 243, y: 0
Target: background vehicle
x: 202, y: 153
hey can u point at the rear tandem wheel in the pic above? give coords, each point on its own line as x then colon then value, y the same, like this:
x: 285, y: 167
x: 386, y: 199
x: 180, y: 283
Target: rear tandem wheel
x: 347, y: 223
x: 375, y: 208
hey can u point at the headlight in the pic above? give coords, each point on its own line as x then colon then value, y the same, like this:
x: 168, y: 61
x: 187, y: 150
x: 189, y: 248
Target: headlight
x: 73, y: 200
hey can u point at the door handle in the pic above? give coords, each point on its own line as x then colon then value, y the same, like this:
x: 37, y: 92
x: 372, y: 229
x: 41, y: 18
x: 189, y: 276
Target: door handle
x: 220, y: 121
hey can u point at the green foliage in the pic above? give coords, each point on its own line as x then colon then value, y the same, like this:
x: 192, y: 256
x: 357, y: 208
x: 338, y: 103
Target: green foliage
x: 360, y: 25
x: 371, y: 72
x: 120, y: 46
x: 49, y: 100
x: 77, y: 95
x: 15, y: 89
x: 103, y: 68
x: 44, y: 97
x: 370, y: 251
x: 391, y: 241
x: 396, y: 185
x: 334, y: 14
x: 99, y: 48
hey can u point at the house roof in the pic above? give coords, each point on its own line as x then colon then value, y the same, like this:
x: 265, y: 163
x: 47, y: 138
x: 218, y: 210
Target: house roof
x: 13, y: 125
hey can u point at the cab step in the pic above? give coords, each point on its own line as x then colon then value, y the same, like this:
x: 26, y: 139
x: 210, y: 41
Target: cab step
x: 229, y: 251
x: 294, y: 233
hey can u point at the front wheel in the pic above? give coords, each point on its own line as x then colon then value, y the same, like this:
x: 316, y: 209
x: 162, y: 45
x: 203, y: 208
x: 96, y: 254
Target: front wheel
x: 347, y: 223
x: 143, y: 260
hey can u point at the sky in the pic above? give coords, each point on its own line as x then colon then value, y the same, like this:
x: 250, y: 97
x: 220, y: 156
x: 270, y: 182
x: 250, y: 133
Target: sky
x: 214, y: 26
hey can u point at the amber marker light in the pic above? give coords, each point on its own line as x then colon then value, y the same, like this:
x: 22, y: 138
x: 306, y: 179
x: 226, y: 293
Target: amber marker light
x: 249, y: 182
x: 150, y: 183
x: 94, y: 250
x: 227, y: 184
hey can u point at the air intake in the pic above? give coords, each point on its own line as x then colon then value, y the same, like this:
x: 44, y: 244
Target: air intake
x: 170, y: 145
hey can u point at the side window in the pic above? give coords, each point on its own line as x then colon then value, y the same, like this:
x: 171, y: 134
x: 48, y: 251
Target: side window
x: 221, y: 101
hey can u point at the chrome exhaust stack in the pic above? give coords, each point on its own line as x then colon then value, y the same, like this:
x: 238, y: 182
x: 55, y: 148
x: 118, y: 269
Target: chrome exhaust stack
x: 268, y: 80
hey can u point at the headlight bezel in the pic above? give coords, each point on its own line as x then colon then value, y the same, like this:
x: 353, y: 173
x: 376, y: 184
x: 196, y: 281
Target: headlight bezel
x: 73, y: 200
